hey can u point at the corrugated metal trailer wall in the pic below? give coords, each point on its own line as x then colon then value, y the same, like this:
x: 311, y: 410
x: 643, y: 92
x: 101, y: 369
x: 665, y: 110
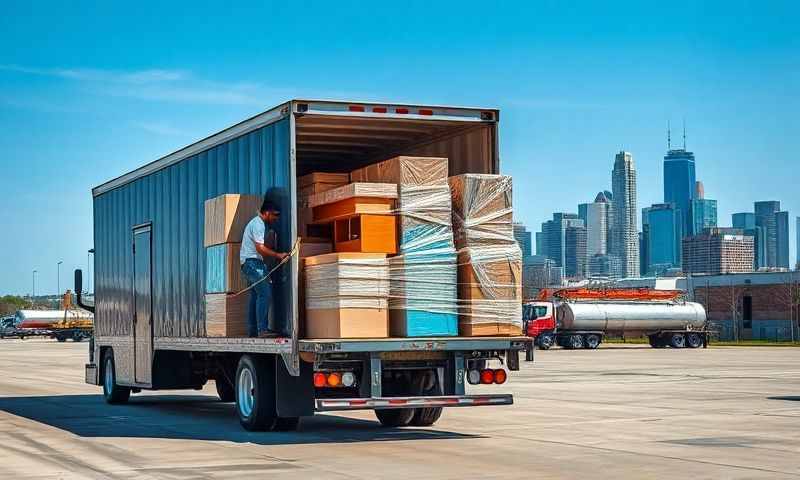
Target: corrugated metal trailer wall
x: 172, y: 200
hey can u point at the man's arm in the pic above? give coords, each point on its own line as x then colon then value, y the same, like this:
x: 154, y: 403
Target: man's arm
x: 265, y: 251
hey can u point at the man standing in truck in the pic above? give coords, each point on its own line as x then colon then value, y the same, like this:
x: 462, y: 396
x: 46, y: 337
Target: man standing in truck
x: 258, y: 256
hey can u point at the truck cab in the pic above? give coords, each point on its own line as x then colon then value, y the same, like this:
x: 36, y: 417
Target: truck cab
x: 540, y: 323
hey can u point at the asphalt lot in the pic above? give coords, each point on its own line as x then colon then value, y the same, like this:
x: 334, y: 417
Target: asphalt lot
x: 617, y: 412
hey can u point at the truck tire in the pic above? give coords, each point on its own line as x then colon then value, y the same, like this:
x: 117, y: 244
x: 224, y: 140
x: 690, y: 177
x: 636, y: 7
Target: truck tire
x: 575, y: 342
x: 544, y: 341
x: 61, y: 338
x: 225, y: 390
x: 426, y: 384
x: 591, y: 341
x: 255, y: 393
x: 656, y: 341
x: 694, y: 340
x: 677, y: 340
x: 112, y: 392
x: 397, y: 386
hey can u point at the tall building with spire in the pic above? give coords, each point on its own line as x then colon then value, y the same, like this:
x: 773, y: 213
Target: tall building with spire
x: 680, y: 181
x: 625, y: 235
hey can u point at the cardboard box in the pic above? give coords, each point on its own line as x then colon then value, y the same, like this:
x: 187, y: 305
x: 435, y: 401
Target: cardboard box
x: 223, y: 270
x: 353, y: 190
x: 405, y: 170
x: 467, y: 329
x: 366, y: 233
x: 226, y: 315
x: 482, y: 210
x: 323, y: 177
x: 227, y: 215
x: 347, y: 323
x: 419, y: 323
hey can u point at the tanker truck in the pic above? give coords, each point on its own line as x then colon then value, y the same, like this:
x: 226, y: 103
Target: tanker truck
x: 583, y: 318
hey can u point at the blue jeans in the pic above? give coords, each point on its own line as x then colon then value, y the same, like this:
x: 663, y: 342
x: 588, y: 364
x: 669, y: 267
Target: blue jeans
x: 260, y: 298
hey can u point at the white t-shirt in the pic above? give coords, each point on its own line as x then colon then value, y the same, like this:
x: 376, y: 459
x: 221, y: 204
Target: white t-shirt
x: 253, y: 233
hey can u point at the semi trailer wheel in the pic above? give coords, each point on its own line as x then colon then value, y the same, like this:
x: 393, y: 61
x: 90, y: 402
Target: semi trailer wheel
x: 61, y: 338
x: 677, y: 340
x: 112, y: 392
x: 426, y: 384
x: 255, y: 393
x: 591, y: 341
x: 575, y: 342
x: 397, y: 386
x: 694, y: 340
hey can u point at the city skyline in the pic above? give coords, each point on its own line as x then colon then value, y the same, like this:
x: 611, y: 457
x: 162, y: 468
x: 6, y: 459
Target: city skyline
x: 74, y: 117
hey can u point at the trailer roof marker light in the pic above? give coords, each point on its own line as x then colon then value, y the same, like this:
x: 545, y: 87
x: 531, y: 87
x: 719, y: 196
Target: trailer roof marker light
x: 356, y: 108
x: 425, y: 111
x: 500, y: 376
x: 487, y: 376
x: 474, y: 377
x: 401, y: 110
x: 379, y: 109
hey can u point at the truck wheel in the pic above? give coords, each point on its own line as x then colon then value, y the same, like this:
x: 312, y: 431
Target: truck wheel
x: 286, y: 424
x: 112, y: 392
x: 677, y: 340
x: 397, y: 386
x: 591, y: 341
x: 575, y: 342
x: 225, y: 390
x: 544, y: 342
x: 694, y: 340
x: 255, y: 393
x: 426, y: 384
x: 61, y: 338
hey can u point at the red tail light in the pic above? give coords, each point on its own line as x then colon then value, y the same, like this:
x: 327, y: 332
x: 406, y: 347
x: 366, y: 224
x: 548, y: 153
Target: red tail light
x: 319, y: 380
x: 500, y: 376
x: 487, y: 376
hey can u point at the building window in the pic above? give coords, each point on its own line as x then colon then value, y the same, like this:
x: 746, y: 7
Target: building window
x: 747, y: 311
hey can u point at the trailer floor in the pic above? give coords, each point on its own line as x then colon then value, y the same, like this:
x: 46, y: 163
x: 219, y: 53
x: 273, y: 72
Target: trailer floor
x: 617, y: 412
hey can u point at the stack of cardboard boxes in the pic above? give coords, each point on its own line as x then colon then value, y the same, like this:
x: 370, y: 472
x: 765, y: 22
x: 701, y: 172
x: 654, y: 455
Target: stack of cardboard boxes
x: 489, y: 258
x: 225, y: 219
x: 423, y: 297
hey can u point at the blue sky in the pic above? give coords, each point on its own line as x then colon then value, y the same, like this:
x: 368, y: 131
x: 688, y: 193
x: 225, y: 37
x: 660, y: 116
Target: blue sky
x: 89, y: 91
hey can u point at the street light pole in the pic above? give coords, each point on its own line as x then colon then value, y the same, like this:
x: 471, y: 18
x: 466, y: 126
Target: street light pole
x: 58, y: 277
x: 33, y: 292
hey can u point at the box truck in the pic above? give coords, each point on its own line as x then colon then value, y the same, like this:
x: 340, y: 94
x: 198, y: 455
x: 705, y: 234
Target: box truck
x: 150, y: 330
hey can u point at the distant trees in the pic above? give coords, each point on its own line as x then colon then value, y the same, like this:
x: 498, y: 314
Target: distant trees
x: 11, y: 303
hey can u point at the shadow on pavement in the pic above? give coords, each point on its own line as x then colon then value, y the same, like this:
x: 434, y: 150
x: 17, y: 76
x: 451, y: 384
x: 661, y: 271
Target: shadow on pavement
x: 789, y: 398
x: 195, y: 417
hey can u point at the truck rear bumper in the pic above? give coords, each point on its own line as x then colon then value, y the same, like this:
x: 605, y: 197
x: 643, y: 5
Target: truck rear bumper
x: 340, y: 404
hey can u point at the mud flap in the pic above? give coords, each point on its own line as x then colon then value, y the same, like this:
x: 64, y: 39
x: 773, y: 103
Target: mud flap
x: 294, y: 395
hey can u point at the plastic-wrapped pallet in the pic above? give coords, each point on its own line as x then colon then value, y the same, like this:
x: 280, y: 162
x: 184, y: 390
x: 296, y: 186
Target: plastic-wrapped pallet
x: 489, y: 259
x: 423, y: 300
x: 490, y: 290
x: 482, y: 210
x: 347, y: 295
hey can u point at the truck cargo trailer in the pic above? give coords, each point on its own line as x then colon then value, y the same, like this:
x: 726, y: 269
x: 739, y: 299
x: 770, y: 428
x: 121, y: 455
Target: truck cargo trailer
x: 150, y: 330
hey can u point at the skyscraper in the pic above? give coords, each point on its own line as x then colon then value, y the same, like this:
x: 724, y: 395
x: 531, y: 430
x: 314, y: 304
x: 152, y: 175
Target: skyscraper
x: 665, y: 231
x: 746, y: 221
x: 704, y: 214
x: 554, y: 233
x: 575, y: 251
x: 523, y: 238
x: 718, y: 251
x: 797, y: 244
x: 680, y: 182
x: 625, y: 237
x: 782, y: 239
x: 776, y: 238
x: 595, y: 217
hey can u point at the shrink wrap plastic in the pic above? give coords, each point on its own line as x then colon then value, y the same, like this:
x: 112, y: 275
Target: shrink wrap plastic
x: 353, y: 190
x: 347, y: 283
x: 482, y: 210
x: 490, y: 285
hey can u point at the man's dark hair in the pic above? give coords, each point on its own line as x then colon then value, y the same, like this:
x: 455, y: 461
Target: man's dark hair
x: 269, y: 206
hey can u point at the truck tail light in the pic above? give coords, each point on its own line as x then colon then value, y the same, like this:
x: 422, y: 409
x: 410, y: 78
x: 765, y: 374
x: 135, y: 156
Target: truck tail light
x: 348, y: 379
x: 474, y: 377
x: 334, y: 380
x: 320, y: 380
x: 500, y: 376
x: 487, y: 376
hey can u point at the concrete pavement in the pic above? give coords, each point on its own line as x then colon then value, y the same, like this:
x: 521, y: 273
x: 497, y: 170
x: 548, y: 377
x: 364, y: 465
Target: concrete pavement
x: 617, y: 412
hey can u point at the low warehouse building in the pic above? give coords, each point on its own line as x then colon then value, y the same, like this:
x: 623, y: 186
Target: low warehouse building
x: 750, y: 306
